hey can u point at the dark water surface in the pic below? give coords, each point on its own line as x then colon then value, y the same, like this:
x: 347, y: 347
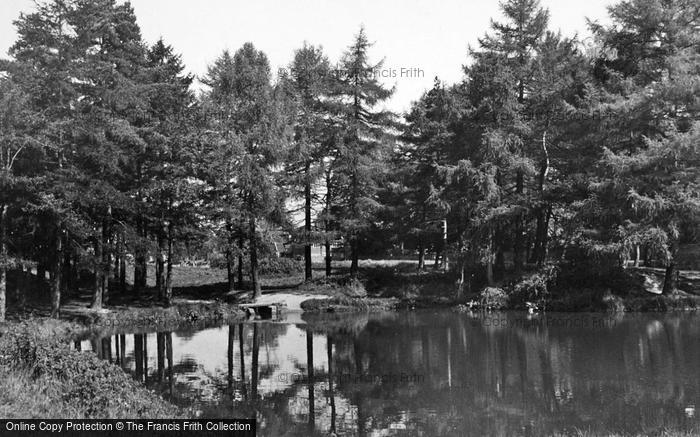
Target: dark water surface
x: 430, y: 373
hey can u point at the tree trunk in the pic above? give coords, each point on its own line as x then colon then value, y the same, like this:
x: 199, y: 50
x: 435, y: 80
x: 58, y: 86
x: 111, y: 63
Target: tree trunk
x: 636, y: 255
x: 421, y: 254
x: 544, y: 211
x: 168, y: 295
x: 308, y: 273
x: 20, y: 296
x: 97, y: 292
x: 445, y: 260
x: 41, y: 270
x: 240, y: 261
x: 462, y: 278
x: 489, y: 262
x: 160, y: 266
x: 122, y: 262
x: 140, y: 265
x: 107, y: 254
x: 56, y: 272
x: 257, y: 290
x: 328, y: 257
x: 354, y: 256
x: 3, y: 262
x: 670, y: 278
x: 67, y: 282
x: 230, y: 275
x: 518, y: 243
x: 327, y: 224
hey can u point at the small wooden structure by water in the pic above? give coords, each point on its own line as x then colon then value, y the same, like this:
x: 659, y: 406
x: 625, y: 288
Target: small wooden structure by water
x: 263, y: 310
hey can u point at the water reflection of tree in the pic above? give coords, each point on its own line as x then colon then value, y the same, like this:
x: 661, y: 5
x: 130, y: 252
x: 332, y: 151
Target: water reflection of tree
x: 529, y: 377
x: 517, y: 377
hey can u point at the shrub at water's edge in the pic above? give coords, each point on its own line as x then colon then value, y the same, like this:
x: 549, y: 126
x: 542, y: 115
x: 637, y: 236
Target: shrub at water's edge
x: 40, y: 376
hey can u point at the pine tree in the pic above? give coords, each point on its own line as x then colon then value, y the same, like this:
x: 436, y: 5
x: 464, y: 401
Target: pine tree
x: 254, y: 125
x: 19, y: 128
x: 220, y: 164
x: 428, y: 139
x: 308, y: 86
x: 363, y: 146
x: 649, y: 182
x: 172, y: 195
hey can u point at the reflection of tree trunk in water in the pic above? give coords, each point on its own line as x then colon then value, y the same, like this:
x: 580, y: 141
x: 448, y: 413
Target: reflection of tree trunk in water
x: 160, y: 345
x: 122, y: 349
x: 96, y: 347
x: 107, y: 348
x: 449, y: 358
x: 329, y: 347
x: 548, y: 380
x: 503, y: 372
x: 463, y: 332
x: 425, y: 350
x: 242, y: 354
x: 522, y: 367
x: 145, y: 358
x: 138, y: 356
x: 254, y: 365
x: 229, y: 356
x: 358, y: 358
x: 169, y: 353
x: 675, y: 346
x: 310, y: 373
x: 360, y: 415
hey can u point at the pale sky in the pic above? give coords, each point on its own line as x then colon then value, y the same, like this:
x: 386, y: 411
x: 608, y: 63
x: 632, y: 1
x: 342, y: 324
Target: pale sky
x: 428, y: 38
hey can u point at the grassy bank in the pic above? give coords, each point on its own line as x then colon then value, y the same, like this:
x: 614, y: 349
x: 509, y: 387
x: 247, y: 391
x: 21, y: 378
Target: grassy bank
x: 41, y: 377
x: 182, y: 314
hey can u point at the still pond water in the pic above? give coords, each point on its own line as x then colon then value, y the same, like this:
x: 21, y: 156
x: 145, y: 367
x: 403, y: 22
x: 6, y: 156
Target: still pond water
x: 429, y: 373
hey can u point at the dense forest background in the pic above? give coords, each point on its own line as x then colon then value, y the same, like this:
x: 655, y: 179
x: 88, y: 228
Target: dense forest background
x: 551, y: 153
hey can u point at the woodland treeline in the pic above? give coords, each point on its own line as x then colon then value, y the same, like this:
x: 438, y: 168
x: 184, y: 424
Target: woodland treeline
x: 550, y: 149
